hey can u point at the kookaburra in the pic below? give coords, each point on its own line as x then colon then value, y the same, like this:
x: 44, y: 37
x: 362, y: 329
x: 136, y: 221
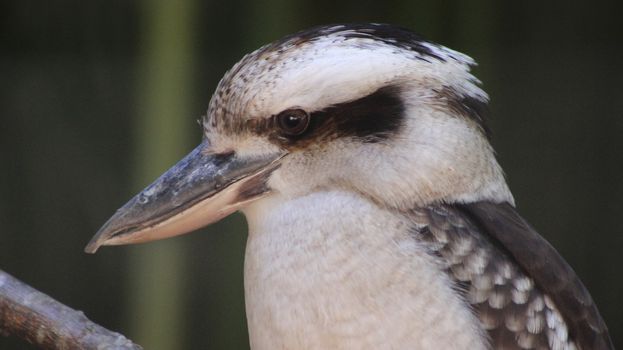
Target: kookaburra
x: 378, y: 215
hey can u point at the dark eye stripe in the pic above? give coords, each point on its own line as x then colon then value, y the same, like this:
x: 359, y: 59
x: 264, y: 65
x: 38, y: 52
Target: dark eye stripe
x: 372, y: 118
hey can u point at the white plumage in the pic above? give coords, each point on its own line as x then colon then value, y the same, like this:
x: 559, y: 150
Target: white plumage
x: 331, y: 270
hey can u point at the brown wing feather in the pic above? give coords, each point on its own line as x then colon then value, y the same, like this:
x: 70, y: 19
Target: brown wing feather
x: 513, y: 300
x: 549, y: 270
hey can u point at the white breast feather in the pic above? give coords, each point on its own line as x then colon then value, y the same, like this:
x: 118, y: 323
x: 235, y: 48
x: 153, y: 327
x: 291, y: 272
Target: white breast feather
x: 330, y: 270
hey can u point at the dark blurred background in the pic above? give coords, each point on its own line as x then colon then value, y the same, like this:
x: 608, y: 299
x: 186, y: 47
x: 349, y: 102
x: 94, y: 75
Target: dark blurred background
x: 99, y: 97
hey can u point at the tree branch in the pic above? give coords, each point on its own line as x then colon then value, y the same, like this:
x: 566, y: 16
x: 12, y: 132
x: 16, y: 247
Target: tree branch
x: 43, y: 321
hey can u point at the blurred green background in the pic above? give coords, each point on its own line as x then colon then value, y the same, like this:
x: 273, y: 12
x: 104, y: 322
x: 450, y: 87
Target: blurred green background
x: 99, y: 97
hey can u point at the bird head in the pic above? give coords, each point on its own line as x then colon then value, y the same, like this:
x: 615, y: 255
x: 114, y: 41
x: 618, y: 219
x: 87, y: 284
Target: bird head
x: 370, y: 108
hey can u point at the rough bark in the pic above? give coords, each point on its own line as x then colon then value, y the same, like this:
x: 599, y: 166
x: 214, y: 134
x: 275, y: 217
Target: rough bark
x: 35, y: 317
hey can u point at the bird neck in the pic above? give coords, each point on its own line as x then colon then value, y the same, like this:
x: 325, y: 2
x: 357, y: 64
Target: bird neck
x: 334, y: 270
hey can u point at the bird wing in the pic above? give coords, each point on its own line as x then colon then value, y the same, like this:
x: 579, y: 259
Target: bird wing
x: 524, y: 293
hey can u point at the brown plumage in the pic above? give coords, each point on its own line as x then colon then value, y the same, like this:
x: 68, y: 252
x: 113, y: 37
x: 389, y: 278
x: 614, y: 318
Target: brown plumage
x: 525, y: 295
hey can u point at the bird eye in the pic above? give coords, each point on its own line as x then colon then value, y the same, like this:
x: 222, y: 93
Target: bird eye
x: 293, y: 121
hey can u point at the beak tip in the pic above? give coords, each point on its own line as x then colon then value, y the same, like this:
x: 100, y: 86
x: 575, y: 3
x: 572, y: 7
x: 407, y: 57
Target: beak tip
x: 101, y: 237
x: 93, y: 245
x: 91, y: 249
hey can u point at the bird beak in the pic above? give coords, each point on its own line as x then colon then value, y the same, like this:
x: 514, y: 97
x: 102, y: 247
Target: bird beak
x: 199, y: 190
